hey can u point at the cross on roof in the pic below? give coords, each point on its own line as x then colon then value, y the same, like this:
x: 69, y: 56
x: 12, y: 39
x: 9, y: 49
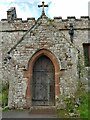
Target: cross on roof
x: 43, y: 13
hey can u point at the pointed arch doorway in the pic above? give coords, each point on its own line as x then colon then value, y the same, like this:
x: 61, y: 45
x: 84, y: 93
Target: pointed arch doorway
x: 43, y: 75
x: 43, y: 82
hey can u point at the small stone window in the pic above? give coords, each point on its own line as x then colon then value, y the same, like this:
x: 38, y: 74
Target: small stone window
x: 86, y: 47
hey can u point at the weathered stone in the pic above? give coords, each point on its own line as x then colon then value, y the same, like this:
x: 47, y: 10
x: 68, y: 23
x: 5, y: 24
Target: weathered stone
x: 45, y: 35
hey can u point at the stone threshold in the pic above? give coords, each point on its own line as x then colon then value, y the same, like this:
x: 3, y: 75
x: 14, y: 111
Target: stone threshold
x: 43, y: 110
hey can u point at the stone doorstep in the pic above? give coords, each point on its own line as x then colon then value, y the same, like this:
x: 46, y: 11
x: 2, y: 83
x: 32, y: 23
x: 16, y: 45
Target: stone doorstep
x: 43, y: 110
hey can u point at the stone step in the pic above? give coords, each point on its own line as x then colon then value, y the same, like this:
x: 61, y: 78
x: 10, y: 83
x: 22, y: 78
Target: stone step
x: 43, y: 110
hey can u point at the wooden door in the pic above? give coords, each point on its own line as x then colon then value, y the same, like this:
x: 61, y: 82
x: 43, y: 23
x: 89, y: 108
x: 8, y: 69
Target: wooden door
x: 43, y: 83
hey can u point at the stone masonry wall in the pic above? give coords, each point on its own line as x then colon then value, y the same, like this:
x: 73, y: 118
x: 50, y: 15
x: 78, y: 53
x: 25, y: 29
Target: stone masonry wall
x: 46, y: 34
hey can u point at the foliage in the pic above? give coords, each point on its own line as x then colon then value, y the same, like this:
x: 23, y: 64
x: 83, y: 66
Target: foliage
x: 76, y: 106
x: 83, y: 96
x: 0, y: 99
x: 5, y: 89
x: 83, y: 108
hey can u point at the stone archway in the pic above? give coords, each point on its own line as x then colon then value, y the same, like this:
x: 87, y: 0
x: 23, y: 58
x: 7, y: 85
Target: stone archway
x: 34, y: 58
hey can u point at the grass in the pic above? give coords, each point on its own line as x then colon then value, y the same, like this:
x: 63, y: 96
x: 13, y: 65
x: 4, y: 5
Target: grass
x: 83, y: 108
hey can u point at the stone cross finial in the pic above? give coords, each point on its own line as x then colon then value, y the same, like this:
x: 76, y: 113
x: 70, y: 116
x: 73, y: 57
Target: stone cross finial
x: 43, y: 13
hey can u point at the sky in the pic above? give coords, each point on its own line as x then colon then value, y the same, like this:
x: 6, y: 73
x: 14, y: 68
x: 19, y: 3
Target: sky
x: 29, y: 8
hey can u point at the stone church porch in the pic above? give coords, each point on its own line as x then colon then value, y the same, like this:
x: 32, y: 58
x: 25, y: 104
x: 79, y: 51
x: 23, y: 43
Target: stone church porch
x: 43, y: 60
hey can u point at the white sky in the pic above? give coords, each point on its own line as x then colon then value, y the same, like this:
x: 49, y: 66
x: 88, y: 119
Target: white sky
x: 29, y: 8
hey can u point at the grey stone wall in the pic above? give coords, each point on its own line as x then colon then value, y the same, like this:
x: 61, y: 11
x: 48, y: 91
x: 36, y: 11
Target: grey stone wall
x: 45, y: 34
x: 0, y: 59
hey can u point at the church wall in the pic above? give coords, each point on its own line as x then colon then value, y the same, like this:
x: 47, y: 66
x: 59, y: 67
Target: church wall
x: 43, y: 37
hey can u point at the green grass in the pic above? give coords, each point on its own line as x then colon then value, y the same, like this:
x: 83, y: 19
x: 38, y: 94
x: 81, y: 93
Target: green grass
x: 83, y: 108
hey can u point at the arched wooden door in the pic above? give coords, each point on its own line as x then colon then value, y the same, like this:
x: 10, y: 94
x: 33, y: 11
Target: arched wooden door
x: 43, y: 82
